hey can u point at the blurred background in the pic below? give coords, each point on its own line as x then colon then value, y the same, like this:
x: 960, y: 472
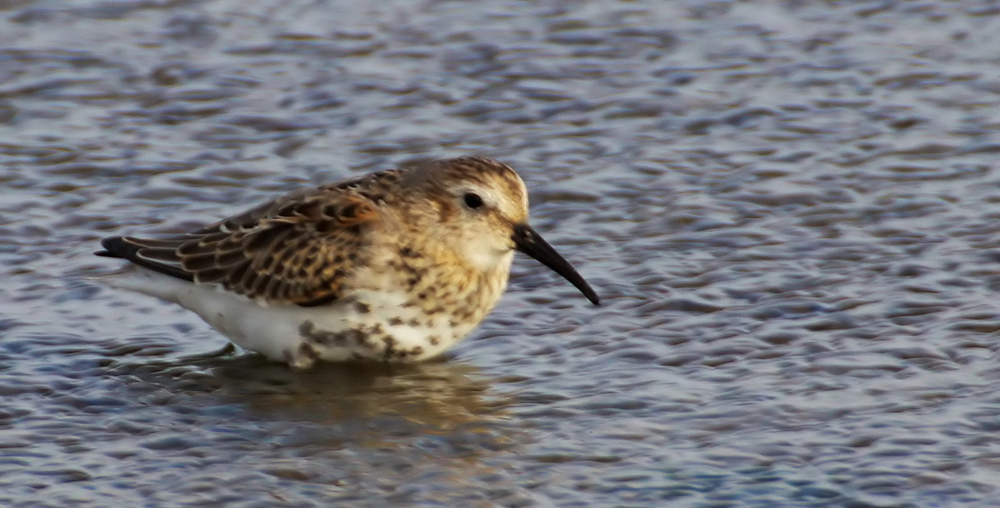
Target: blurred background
x: 790, y: 209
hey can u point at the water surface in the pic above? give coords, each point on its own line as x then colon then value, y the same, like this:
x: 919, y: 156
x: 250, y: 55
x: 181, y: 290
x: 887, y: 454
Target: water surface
x: 790, y: 209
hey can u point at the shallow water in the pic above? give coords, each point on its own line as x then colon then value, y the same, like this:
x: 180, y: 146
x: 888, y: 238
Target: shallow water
x: 791, y: 210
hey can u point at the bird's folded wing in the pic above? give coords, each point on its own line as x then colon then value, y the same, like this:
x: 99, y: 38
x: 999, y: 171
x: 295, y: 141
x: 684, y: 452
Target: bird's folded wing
x: 297, y: 249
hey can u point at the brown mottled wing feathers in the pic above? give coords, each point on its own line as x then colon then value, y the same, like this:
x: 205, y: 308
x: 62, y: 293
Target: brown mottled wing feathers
x: 297, y: 249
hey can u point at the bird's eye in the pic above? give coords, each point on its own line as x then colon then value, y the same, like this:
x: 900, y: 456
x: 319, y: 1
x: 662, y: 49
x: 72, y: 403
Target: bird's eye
x: 472, y: 200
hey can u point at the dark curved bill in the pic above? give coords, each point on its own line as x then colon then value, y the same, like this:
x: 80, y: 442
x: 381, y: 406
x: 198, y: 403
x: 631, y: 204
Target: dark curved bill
x: 531, y: 243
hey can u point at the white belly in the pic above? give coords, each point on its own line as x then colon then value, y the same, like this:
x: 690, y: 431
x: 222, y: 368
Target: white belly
x: 370, y: 325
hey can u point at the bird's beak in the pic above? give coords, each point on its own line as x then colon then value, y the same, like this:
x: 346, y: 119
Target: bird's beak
x: 531, y: 243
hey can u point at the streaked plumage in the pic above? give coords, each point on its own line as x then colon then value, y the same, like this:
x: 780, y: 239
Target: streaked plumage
x: 397, y: 265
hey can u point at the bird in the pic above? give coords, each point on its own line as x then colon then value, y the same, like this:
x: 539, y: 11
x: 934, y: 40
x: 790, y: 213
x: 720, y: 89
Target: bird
x: 393, y: 266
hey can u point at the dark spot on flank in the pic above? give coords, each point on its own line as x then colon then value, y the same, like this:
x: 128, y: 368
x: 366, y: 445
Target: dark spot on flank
x: 309, y: 333
x: 312, y: 336
x: 407, y: 252
x: 434, y: 340
x: 417, y: 351
x: 422, y: 295
x: 414, y: 322
x: 465, y: 313
x: 390, y: 347
x: 308, y: 351
x: 306, y: 328
x: 362, y: 308
x: 357, y: 335
x: 395, y: 321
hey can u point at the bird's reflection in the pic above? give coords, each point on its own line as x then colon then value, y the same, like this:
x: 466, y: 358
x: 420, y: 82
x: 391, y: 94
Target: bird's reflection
x: 337, y: 423
x: 440, y: 395
x: 432, y: 396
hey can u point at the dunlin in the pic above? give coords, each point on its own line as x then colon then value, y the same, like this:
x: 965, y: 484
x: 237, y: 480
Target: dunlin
x: 397, y: 265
